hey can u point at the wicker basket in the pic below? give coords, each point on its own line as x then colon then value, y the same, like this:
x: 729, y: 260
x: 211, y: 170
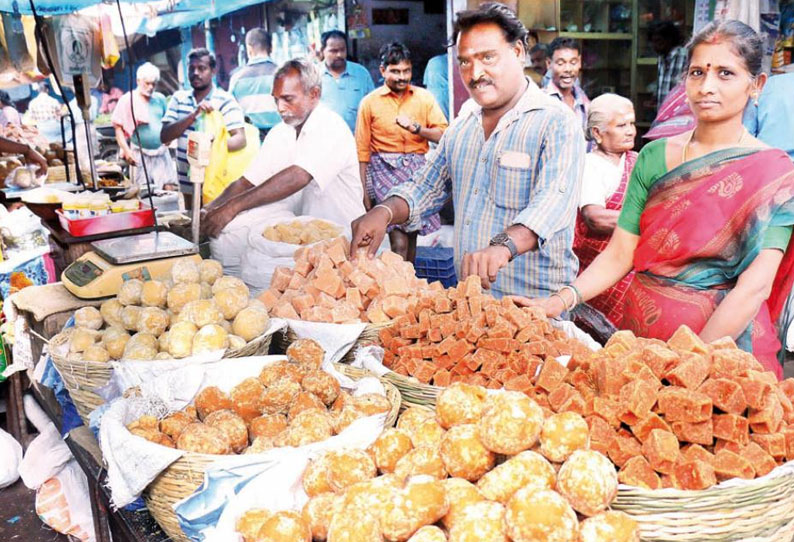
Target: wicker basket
x: 368, y: 337
x: 186, y: 474
x: 413, y: 392
x: 81, y: 378
x: 761, y: 510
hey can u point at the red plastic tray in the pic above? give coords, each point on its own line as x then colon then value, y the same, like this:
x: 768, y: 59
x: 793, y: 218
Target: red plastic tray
x: 113, y: 222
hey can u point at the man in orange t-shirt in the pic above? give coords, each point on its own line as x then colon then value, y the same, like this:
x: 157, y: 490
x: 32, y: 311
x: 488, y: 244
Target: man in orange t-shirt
x: 395, y: 123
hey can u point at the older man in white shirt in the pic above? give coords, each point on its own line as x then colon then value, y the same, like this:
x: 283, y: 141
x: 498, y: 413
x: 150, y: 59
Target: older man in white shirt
x: 307, y: 166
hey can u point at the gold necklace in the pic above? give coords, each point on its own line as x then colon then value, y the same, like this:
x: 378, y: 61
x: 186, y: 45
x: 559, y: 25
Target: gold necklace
x: 692, y: 134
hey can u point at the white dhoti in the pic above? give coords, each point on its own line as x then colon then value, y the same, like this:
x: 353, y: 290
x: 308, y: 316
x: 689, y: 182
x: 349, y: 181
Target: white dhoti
x: 159, y: 165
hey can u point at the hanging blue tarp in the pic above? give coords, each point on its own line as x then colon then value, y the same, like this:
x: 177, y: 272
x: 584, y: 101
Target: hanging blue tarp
x: 52, y: 7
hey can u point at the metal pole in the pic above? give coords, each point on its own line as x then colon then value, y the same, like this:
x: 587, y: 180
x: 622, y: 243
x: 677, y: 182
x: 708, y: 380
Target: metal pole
x: 187, y: 45
x: 90, y: 145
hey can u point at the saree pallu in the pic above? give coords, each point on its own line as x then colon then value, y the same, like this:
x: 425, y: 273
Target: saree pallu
x: 704, y: 223
x: 588, y: 245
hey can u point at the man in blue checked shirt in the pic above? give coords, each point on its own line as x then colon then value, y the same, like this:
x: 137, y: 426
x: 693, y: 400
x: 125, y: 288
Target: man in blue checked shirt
x: 345, y: 83
x: 512, y: 162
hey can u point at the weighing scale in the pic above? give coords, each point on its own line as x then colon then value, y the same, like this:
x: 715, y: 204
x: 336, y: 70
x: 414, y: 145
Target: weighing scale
x: 102, y: 272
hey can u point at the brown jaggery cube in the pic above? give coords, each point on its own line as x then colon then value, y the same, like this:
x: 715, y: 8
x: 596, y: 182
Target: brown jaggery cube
x: 690, y: 372
x: 552, y: 374
x: 755, y: 391
x: 638, y: 472
x: 691, y: 452
x: 695, y: 433
x: 661, y: 449
x: 728, y: 465
x: 734, y: 447
x: 659, y: 358
x: 638, y: 398
x: 732, y: 428
x: 725, y: 394
x: 788, y: 434
x: 608, y: 410
x: 644, y: 427
x: 774, y: 444
x: 694, y: 475
x: 683, y: 405
x: 762, y: 462
x: 768, y: 419
x: 602, y: 436
x: 625, y: 447
x: 687, y: 340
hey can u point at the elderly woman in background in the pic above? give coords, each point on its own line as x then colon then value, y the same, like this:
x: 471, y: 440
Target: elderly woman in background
x: 610, y: 125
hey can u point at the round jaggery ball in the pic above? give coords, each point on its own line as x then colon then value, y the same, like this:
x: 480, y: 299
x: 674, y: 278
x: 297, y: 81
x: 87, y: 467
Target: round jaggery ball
x: 428, y: 433
x: 319, y: 512
x: 162, y: 342
x: 428, y: 533
x: 88, y: 318
x: 111, y: 312
x: 182, y: 294
x: 588, y: 481
x: 210, y: 271
x: 424, y: 460
x: 278, y: 398
x: 345, y: 417
x: 422, y: 502
x: 114, y: 339
x: 315, y: 477
x: 323, y: 385
x: 280, y: 370
x: 460, y: 494
x: 82, y: 338
x: 180, y: 339
x: 609, y: 526
x: 563, y: 434
x: 206, y: 291
x: 130, y: 292
x: 412, y: 417
x: 483, y: 520
x: 306, y: 352
x: 230, y: 302
x: 153, y: 435
x: 342, y: 400
x: 232, y: 426
x: 153, y: 321
x: 525, y: 469
x: 534, y: 515
x: 511, y: 423
x: 154, y: 294
x: 268, y: 425
x: 141, y: 347
x: 285, y: 527
x: 235, y: 342
x: 460, y: 404
x: 463, y: 454
x: 250, y: 323
x: 203, y: 439
x: 185, y: 271
x: 96, y: 353
x: 348, y: 467
x: 304, y: 401
x: 229, y: 283
x: 246, y: 399
x: 211, y: 399
x: 389, y: 448
x: 162, y: 356
x: 371, y: 404
x: 260, y: 445
x: 375, y: 495
x: 130, y: 316
x: 250, y: 522
x: 201, y: 312
x: 209, y: 339
x: 308, y: 427
x: 173, y: 424
x: 360, y: 527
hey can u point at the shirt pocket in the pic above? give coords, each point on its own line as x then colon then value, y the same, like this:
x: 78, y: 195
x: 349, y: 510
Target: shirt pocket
x: 511, y: 184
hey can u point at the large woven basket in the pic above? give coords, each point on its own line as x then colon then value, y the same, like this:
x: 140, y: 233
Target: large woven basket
x: 186, y: 474
x: 413, y: 392
x: 368, y: 337
x: 759, y: 511
x: 82, y: 378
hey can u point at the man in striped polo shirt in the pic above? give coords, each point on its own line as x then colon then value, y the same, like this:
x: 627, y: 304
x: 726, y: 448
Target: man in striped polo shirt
x: 186, y: 107
x: 252, y: 84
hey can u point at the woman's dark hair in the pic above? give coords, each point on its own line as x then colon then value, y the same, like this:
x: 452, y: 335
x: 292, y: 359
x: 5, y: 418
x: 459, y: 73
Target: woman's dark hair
x: 492, y: 12
x: 563, y: 43
x: 394, y: 53
x: 331, y: 34
x: 201, y: 52
x: 744, y: 41
x: 5, y: 99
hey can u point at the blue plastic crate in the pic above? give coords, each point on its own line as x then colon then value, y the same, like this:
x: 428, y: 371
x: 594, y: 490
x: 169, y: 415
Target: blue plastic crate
x: 436, y: 263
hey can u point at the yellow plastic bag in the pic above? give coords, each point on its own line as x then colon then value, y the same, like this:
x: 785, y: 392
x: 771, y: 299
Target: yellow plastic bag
x: 110, y: 47
x: 226, y: 167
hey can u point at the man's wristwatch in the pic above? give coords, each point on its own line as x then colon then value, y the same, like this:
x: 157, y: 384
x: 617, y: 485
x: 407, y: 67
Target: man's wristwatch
x: 504, y: 240
x: 416, y: 128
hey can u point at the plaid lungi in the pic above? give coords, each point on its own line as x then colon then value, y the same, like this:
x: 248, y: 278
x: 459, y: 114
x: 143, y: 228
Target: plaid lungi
x: 387, y: 170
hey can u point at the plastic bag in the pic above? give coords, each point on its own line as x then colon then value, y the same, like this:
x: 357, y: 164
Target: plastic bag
x: 24, y: 177
x: 11, y: 452
x: 63, y: 503
x: 110, y: 48
x: 226, y: 166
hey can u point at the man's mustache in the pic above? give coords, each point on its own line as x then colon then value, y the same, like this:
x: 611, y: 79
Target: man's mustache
x: 481, y: 80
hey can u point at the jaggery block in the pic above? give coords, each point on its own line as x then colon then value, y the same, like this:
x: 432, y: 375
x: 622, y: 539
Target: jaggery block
x: 607, y: 409
x: 729, y: 363
x: 624, y: 337
x: 755, y: 391
x: 725, y: 394
x: 659, y: 358
x: 728, y: 465
x: 691, y: 452
x: 768, y: 419
x: 720, y: 444
x: 661, y: 449
x: 625, y: 447
x: 774, y: 444
x: 638, y: 472
x: 695, y: 433
x: 732, y: 428
x: 761, y: 461
x: 644, y: 427
x: 789, y: 436
x: 687, y: 340
x: 690, y: 372
x: 552, y: 374
x: 602, y: 436
x: 561, y: 394
x: 681, y: 404
x: 638, y: 397
x: 695, y: 475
